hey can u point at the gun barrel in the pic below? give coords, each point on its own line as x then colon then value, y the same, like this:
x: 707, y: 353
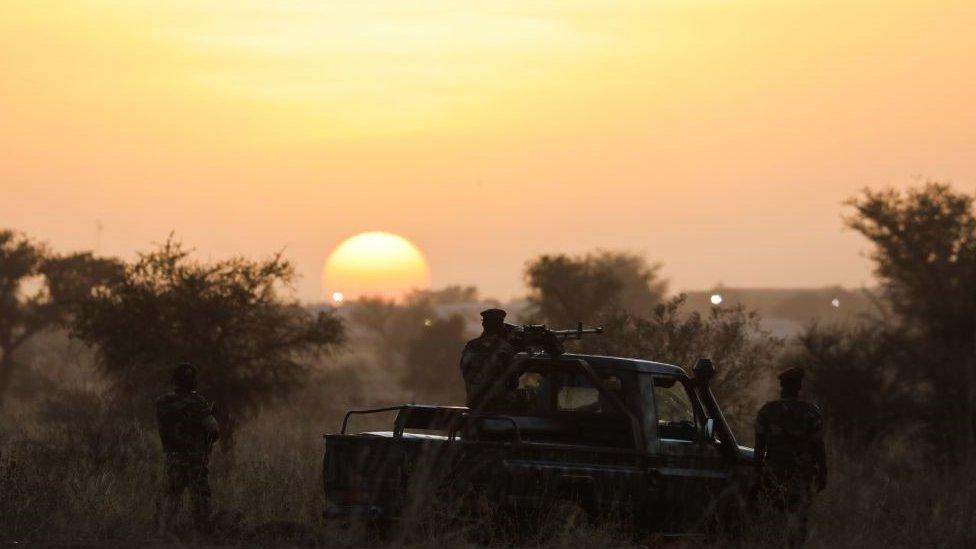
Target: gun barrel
x: 578, y: 333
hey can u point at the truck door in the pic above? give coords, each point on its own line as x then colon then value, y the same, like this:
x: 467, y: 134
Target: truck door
x: 687, y: 470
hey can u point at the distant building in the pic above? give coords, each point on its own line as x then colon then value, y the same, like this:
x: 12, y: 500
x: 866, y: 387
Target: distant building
x: 787, y: 311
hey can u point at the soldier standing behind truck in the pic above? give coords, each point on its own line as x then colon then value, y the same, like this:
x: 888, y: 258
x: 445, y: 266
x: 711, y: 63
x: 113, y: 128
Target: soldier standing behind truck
x: 187, y: 429
x: 791, y: 455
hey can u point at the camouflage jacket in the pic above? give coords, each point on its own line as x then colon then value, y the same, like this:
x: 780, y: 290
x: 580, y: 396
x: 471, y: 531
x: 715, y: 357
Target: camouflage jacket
x: 484, y: 359
x: 186, y: 423
x: 793, y: 429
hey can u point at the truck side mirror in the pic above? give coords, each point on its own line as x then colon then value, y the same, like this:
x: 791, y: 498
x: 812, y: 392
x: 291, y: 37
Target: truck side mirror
x: 709, y: 430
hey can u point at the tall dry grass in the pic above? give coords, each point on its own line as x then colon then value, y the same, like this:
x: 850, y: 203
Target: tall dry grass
x: 74, y: 471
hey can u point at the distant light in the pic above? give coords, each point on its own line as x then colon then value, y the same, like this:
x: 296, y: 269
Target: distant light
x: 428, y: 322
x: 716, y: 299
x: 835, y: 302
x: 337, y: 297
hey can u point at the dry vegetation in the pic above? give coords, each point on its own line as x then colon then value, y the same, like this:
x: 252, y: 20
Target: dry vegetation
x: 72, y: 470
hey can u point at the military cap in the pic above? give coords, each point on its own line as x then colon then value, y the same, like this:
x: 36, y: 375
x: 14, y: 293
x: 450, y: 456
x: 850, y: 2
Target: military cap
x: 792, y: 375
x: 184, y: 372
x: 493, y: 313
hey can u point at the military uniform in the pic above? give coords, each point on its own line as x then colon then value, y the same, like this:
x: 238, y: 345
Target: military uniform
x: 486, y: 358
x: 789, y: 441
x: 483, y: 361
x: 187, y: 430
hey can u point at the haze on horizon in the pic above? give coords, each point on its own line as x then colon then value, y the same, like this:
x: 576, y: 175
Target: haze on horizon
x: 718, y: 137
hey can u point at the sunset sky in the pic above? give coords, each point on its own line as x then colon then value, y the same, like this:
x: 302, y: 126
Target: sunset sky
x: 719, y: 137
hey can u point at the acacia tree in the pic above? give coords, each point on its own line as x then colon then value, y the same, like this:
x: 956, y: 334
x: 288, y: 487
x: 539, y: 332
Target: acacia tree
x: 40, y: 290
x: 567, y: 289
x: 924, y: 253
x: 228, y: 318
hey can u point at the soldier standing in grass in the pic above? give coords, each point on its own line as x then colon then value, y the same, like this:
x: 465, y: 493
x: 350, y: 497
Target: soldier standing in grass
x: 188, y: 429
x: 791, y: 456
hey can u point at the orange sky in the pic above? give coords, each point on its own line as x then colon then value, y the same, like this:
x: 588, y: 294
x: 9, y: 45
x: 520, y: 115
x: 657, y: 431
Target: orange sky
x: 716, y: 136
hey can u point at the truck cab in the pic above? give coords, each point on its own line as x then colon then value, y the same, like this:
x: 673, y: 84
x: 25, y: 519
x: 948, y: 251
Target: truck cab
x: 628, y: 438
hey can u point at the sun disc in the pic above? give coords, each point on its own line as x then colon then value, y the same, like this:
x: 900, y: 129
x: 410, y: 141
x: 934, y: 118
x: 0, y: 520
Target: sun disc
x: 376, y: 264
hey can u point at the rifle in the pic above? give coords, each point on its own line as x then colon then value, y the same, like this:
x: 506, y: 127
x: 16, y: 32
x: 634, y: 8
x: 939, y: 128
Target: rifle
x: 551, y: 341
x: 562, y: 335
x: 578, y: 333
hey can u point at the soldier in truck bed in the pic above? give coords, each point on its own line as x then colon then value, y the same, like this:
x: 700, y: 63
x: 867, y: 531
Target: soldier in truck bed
x: 487, y: 357
x: 791, y: 455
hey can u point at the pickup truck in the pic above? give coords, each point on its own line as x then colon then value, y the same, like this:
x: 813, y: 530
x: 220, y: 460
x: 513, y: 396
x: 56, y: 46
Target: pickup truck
x: 616, y: 437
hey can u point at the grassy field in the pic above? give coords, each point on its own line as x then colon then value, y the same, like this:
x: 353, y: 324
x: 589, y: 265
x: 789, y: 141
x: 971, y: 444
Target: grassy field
x: 75, y: 471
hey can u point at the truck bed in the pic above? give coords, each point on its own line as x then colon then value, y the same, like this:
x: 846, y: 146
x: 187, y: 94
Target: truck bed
x: 375, y: 474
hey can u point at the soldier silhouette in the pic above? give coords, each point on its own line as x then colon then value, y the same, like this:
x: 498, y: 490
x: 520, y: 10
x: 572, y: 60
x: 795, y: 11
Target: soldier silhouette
x: 791, y: 456
x: 187, y: 429
x: 487, y: 357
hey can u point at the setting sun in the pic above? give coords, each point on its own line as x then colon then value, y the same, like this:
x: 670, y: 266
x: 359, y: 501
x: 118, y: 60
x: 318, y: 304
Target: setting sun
x: 374, y: 264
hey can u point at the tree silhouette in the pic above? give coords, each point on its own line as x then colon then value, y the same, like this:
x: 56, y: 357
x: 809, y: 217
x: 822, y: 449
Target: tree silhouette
x: 40, y: 290
x: 924, y: 253
x: 564, y: 290
x: 251, y: 345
